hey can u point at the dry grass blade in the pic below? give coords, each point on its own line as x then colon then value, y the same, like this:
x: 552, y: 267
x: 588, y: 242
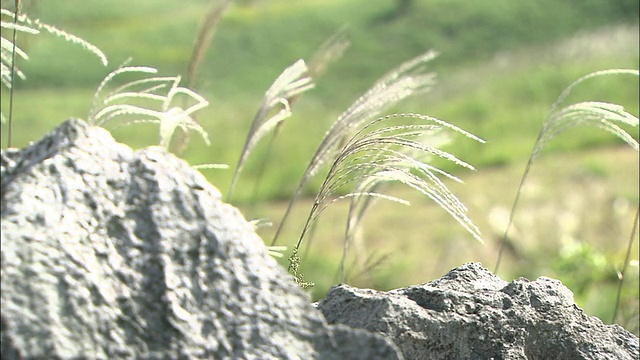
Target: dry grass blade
x: 292, y: 82
x: 150, y: 99
x: 210, y: 166
x: 607, y: 116
x: 204, y: 39
x: 380, y: 153
x: 406, y: 80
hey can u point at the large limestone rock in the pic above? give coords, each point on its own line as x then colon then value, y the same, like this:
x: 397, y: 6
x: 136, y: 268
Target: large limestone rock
x: 109, y: 253
x: 470, y: 313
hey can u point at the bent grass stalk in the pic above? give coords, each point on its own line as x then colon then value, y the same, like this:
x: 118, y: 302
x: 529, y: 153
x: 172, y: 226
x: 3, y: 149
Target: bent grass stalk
x: 292, y: 82
x: 606, y: 116
x: 601, y: 115
x: 380, y: 153
x: 624, y: 266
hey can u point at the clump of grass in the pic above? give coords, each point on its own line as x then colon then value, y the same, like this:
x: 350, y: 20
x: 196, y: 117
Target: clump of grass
x: 365, y: 150
x: 401, y: 153
x: 391, y: 153
x: 407, y: 79
x: 147, y: 100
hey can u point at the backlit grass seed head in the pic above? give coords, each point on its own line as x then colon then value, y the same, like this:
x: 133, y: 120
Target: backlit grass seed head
x: 150, y: 99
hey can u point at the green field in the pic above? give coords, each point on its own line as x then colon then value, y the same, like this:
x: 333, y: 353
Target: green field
x: 502, y: 64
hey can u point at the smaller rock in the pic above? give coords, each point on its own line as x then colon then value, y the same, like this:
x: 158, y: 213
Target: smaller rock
x: 471, y: 313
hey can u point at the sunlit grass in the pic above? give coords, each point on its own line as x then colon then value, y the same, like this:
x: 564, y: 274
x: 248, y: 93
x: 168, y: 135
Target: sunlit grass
x: 503, y: 103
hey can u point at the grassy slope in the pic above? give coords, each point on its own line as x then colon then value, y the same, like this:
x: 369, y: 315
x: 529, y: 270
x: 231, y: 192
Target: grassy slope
x: 503, y: 104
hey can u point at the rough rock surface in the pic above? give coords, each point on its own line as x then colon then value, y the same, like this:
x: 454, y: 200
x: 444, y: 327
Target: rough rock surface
x: 109, y: 254
x: 471, y: 313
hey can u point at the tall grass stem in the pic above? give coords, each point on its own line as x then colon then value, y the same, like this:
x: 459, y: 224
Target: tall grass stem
x: 13, y: 72
x: 624, y: 266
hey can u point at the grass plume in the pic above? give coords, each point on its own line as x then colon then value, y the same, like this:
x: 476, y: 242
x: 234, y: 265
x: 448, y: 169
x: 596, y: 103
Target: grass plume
x: 384, y: 151
x: 330, y: 51
x: 407, y: 79
x: 603, y: 115
x: 150, y: 99
x: 292, y: 82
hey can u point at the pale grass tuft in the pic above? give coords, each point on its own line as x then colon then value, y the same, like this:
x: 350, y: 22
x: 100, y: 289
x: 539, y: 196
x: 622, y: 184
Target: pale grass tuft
x: 330, y: 51
x: 603, y: 115
x: 385, y: 150
x: 406, y: 80
x: 150, y: 99
x: 292, y: 82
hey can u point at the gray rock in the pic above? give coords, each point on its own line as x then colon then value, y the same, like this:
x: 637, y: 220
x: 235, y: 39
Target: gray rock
x: 109, y: 253
x: 470, y: 313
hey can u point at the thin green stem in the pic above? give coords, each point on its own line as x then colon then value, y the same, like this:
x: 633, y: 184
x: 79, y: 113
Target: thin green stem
x: 13, y: 72
x: 624, y: 266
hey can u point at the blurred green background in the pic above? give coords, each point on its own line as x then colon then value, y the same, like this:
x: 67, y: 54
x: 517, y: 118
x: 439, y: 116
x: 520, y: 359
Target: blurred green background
x: 502, y: 65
